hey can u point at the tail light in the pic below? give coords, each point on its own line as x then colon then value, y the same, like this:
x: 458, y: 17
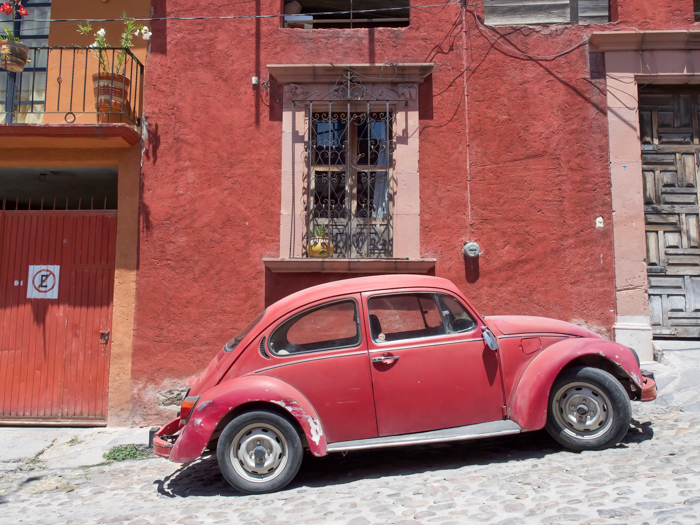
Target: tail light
x: 186, y: 408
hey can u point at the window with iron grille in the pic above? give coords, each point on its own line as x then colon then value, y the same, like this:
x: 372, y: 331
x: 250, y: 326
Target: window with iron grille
x: 526, y: 12
x: 23, y: 95
x: 696, y: 8
x: 350, y: 180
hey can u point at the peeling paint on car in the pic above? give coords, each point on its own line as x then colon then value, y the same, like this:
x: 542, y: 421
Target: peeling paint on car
x: 316, y: 431
x: 201, y: 406
x: 197, y: 421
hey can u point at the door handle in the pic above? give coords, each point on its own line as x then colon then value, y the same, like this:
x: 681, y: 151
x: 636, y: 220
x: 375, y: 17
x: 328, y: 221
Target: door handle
x: 385, y: 359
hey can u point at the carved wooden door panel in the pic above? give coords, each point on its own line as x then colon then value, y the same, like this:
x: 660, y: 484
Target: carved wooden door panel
x: 670, y: 149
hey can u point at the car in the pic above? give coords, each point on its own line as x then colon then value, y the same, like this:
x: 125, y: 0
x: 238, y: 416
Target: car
x: 390, y: 361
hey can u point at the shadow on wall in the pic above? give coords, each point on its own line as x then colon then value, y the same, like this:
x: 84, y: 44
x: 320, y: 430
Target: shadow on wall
x: 159, y: 28
x: 471, y: 269
x: 280, y: 285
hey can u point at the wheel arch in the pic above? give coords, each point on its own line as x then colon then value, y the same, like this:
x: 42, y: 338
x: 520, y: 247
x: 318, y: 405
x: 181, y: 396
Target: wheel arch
x: 222, y: 403
x: 529, y: 403
x: 250, y: 407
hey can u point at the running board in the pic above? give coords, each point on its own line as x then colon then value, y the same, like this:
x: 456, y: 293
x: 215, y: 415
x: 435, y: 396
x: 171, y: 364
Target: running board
x: 480, y: 430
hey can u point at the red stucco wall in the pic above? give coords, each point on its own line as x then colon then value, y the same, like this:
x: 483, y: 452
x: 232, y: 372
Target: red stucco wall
x: 535, y: 144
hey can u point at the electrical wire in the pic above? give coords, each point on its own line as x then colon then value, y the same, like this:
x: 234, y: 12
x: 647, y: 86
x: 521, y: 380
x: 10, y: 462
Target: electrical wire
x: 244, y: 17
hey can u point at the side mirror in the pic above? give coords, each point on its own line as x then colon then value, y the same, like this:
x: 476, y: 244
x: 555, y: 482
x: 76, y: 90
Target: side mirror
x: 490, y: 339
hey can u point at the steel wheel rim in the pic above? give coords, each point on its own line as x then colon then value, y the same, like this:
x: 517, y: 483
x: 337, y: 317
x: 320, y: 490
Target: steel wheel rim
x: 259, y: 453
x: 582, y: 410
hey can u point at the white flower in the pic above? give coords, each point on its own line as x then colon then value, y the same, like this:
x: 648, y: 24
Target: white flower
x: 146, y: 34
x: 136, y: 33
x: 94, y: 44
x: 101, y: 32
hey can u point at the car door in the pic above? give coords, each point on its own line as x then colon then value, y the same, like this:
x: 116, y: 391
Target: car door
x: 321, y: 351
x: 430, y: 367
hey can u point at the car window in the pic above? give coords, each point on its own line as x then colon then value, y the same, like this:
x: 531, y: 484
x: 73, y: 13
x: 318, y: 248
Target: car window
x: 404, y: 316
x: 233, y: 343
x: 325, y: 327
x: 457, y: 319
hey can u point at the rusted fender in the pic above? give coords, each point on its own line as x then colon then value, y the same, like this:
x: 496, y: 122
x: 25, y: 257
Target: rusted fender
x: 531, y: 396
x: 220, y: 400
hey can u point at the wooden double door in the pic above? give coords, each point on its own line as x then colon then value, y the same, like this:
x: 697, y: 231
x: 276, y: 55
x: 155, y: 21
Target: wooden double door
x: 56, y: 288
x: 670, y: 136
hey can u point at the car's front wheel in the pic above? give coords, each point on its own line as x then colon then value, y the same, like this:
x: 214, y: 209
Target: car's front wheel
x: 588, y: 409
x: 259, y: 452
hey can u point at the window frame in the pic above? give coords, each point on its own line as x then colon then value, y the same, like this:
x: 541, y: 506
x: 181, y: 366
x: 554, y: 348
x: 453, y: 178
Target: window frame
x: 433, y: 294
x: 308, y: 309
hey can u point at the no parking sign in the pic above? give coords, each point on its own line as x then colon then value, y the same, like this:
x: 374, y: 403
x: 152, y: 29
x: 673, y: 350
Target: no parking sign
x: 43, y: 282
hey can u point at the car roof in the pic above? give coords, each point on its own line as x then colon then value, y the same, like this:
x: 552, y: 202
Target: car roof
x: 357, y: 285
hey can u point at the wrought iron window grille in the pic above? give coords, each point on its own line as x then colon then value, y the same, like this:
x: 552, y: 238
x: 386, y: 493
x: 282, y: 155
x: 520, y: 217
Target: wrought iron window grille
x: 349, y: 180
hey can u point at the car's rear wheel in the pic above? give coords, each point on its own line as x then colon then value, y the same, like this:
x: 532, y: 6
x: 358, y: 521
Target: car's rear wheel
x: 588, y: 409
x: 259, y: 452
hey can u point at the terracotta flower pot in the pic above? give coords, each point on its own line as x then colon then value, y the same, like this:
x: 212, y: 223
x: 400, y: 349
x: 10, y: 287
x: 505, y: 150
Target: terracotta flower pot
x: 111, y: 92
x: 13, y: 56
x: 320, y: 247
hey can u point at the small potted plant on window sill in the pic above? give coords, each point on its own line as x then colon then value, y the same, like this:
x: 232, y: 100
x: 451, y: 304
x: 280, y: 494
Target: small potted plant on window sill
x: 110, y: 83
x: 13, y: 53
x: 320, y: 243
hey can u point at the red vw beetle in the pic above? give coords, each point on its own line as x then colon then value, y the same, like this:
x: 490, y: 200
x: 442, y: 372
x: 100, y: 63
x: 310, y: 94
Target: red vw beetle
x: 391, y: 361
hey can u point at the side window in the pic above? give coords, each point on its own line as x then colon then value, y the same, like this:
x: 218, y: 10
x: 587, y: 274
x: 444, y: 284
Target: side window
x: 324, y: 327
x: 404, y: 316
x: 456, y: 317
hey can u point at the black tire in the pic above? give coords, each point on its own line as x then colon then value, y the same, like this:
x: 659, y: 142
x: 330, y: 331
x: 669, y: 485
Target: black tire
x: 276, y: 443
x: 588, y: 409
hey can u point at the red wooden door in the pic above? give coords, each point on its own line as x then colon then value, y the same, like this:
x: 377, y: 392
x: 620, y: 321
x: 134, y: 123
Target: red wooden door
x: 54, y: 358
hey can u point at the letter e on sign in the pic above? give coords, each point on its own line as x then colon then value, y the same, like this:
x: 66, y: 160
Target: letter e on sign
x: 43, y: 282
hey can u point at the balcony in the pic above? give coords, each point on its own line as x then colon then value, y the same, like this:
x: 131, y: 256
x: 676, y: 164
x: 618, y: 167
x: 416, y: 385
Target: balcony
x: 70, y: 91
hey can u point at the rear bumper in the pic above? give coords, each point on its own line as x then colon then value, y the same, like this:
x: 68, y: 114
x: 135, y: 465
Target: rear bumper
x: 648, y: 387
x: 165, y: 438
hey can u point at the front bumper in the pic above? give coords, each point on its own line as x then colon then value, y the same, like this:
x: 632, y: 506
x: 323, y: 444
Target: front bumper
x: 648, y: 387
x: 165, y: 438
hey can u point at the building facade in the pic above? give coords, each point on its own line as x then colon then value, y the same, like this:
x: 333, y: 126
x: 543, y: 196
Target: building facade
x: 561, y: 137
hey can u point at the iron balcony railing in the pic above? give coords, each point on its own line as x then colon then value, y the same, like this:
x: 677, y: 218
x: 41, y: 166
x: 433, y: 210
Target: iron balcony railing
x: 66, y: 85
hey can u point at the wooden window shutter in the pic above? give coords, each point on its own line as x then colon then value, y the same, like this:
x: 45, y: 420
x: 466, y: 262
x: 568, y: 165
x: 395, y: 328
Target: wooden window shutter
x: 593, y: 11
x: 523, y: 12
x: 529, y: 12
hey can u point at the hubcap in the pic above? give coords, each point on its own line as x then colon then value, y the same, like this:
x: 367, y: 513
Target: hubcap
x: 259, y: 453
x: 582, y: 410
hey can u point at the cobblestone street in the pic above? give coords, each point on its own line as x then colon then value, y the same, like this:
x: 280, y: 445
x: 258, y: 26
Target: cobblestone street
x: 652, y: 477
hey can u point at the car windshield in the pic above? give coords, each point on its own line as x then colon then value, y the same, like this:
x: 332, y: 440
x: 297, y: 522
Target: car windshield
x: 233, y: 343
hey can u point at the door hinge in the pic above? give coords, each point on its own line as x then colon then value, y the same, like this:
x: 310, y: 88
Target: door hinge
x: 504, y: 410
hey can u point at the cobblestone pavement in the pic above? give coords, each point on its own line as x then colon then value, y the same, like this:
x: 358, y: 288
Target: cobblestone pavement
x: 652, y: 477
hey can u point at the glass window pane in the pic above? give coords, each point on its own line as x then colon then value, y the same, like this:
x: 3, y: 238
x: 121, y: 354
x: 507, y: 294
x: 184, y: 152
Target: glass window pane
x: 329, y: 195
x: 404, y: 316
x: 372, y: 141
x: 372, y: 194
x: 322, y: 328
x: 456, y: 316
x: 329, y: 138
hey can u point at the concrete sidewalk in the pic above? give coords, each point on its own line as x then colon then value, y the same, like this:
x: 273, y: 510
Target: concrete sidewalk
x: 677, y: 376
x: 61, y: 447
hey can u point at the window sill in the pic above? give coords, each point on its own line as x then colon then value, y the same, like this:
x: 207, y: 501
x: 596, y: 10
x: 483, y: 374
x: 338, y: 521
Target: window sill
x: 304, y: 265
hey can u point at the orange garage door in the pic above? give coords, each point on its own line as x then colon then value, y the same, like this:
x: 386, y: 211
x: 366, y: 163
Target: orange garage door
x: 56, y: 288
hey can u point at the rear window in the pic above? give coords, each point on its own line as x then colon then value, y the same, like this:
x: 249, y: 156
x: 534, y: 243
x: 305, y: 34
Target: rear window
x: 233, y: 343
x: 325, y: 327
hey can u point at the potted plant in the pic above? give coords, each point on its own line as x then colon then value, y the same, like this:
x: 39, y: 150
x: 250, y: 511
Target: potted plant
x: 110, y: 82
x: 320, y: 243
x: 13, y: 53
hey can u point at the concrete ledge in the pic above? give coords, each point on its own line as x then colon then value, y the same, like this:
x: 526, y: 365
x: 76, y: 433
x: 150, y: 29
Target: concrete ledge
x: 68, y: 136
x: 642, y: 40
x: 304, y: 265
